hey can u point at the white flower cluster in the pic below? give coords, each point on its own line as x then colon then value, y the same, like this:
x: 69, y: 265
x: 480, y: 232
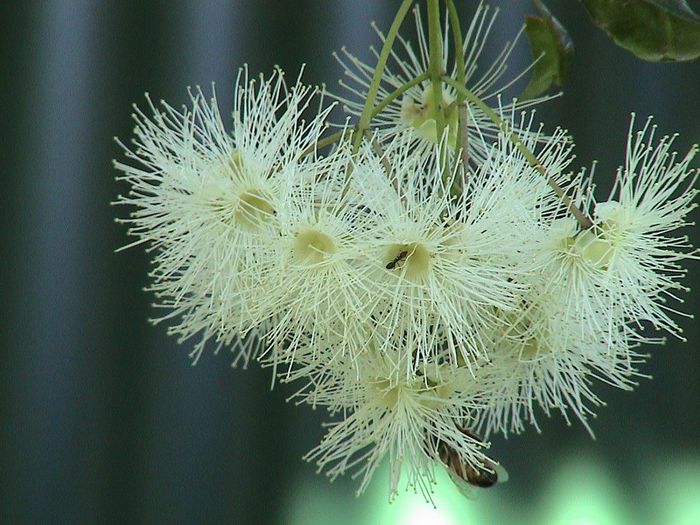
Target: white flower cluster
x: 425, y: 301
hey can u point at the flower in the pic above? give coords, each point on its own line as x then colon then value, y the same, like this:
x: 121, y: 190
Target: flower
x: 206, y: 202
x: 318, y: 285
x: 653, y: 194
x: 418, y: 422
x: 542, y: 358
x: 619, y: 273
x: 414, y: 109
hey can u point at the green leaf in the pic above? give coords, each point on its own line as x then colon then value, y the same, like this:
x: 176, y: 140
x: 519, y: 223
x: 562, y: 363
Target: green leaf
x: 552, y: 49
x: 654, y: 30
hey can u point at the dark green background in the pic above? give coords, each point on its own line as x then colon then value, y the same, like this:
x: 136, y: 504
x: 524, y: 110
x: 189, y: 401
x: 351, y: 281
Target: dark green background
x: 102, y: 418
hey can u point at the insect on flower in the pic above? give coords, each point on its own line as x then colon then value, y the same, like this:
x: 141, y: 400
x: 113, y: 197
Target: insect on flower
x: 397, y: 260
x: 466, y: 475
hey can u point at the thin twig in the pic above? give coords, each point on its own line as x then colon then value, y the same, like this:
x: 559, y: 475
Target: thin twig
x: 584, y: 222
x: 379, y: 151
x: 464, y: 136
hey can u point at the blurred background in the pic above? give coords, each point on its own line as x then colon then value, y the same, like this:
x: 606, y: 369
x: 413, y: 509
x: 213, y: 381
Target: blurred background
x: 103, y: 418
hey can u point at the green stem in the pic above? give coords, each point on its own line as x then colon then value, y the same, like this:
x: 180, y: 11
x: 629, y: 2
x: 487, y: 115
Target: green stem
x: 462, y: 135
x: 459, y: 53
x: 366, y: 115
x: 435, y: 66
x: 584, y: 222
x: 398, y: 92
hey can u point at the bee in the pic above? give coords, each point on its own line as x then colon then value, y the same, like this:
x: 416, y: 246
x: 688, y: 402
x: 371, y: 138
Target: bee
x: 466, y: 475
x: 400, y: 257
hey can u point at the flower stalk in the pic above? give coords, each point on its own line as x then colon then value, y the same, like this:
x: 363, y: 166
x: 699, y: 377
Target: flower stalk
x: 435, y: 65
x: 462, y: 131
x: 366, y: 116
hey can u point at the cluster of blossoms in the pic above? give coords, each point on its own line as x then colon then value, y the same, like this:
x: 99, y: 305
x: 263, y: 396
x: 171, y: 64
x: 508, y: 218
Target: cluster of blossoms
x: 431, y: 282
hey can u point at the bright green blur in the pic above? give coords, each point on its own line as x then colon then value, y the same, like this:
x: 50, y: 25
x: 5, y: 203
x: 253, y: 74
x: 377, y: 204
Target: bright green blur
x: 583, y: 492
x: 675, y: 493
x: 580, y: 492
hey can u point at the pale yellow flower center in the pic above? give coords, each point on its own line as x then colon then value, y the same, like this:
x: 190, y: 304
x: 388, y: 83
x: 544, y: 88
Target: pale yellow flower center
x: 412, y: 260
x: 253, y: 209
x: 428, y: 395
x: 594, y: 248
x: 388, y: 395
x: 532, y: 349
x: 313, y: 246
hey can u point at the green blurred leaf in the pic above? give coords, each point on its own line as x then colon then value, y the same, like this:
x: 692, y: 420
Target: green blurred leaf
x: 552, y: 47
x: 654, y: 30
